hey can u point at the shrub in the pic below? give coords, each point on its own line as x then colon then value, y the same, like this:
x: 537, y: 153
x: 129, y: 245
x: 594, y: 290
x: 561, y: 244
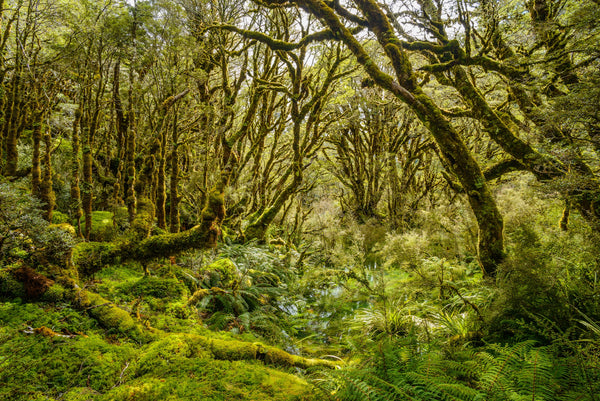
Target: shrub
x: 24, y: 236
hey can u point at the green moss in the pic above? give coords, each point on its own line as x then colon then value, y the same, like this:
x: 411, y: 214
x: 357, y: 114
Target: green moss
x: 173, y: 367
x: 179, y: 311
x: 9, y: 286
x: 210, y: 380
x: 102, y: 228
x: 148, y: 390
x: 221, y: 273
x: 120, y: 273
x: 275, y: 356
x: 233, y: 350
x: 121, y: 217
x: 144, y: 219
x: 214, y: 208
x: 64, y: 227
x: 14, y: 314
x: 164, y: 288
x: 112, y: 317
x: 89, y: 257
x: 59, y: 217
x: 198, y: 376
x: 39, y: 367
x: 167, y: 351
x: 56, y: 293
x: 80, y: 394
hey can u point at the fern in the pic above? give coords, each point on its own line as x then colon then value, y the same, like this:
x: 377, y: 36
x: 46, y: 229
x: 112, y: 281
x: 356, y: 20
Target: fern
x: 440, y: 388
x: 522, y: 371
x: 498, y: 368
x: 536, y: 376
x: 361, y: 390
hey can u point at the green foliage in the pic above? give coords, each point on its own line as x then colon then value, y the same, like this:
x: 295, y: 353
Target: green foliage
x: 103, y: 228
x: 220, y: 273
x: 10, y: 288
x: 383, y: 269
x: 544, y: 275
x: 72, y: 360
x: 399, y: 370
x: 155, y: 287
x: 240, y: 290
x: 56, y: 293
x: 26, y: 238
x: 90, y: 256
x: 59, y: 217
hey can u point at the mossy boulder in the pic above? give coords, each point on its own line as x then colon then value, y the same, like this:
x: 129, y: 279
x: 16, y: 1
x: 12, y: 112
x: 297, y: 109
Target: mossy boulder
x: 222, y: 273
x: 156, y: 287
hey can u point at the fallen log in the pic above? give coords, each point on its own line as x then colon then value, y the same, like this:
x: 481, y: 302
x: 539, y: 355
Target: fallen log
x: 90, y: 257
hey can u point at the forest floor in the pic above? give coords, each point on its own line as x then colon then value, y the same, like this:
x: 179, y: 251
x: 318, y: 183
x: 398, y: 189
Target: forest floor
x: 51, y: 351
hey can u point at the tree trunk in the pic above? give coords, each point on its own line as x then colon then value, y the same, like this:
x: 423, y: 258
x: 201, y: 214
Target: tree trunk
x: 36, y: 172
x: 130, y: 149
x: 161, y: 187
x: 490, y: 247
x: 121, y: 126
x: 174, y: 219
x: 452, y: 148
x: 87, y: 184
x: 11, y: 128
x: 76, y: 211
x: 46, y: 191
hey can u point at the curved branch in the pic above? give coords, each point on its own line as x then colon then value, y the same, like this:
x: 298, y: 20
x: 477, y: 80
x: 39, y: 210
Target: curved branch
x: 276, y: 44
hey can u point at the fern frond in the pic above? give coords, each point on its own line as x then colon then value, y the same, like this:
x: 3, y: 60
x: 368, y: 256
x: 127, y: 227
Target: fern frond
x: 361, y: 390
x: 497, y: 367
x: 433, y: 388
x: 536, y: 378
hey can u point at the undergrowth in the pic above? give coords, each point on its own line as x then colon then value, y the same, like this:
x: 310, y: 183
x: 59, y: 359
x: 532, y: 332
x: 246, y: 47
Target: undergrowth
x: 51, y: 352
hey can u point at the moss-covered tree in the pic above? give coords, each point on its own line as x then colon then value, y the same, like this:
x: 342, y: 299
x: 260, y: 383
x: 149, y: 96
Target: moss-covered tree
x: 342, y: 25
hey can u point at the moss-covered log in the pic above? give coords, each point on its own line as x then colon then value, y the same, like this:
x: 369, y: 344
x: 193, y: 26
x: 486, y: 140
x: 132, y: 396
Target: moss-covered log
x: 90, y: 257
x: 110, y: 316
x: 194, y: 346
x: 241, y: 350
x: 64, y: 288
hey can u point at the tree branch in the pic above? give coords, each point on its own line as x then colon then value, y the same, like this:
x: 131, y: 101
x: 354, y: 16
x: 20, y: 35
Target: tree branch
x: 276, y: 44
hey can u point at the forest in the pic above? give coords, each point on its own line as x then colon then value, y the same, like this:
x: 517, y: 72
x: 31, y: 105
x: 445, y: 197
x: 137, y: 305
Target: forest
x: 300, y: 200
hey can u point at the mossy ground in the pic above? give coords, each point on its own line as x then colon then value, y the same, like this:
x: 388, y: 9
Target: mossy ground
x: 73, y: 356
